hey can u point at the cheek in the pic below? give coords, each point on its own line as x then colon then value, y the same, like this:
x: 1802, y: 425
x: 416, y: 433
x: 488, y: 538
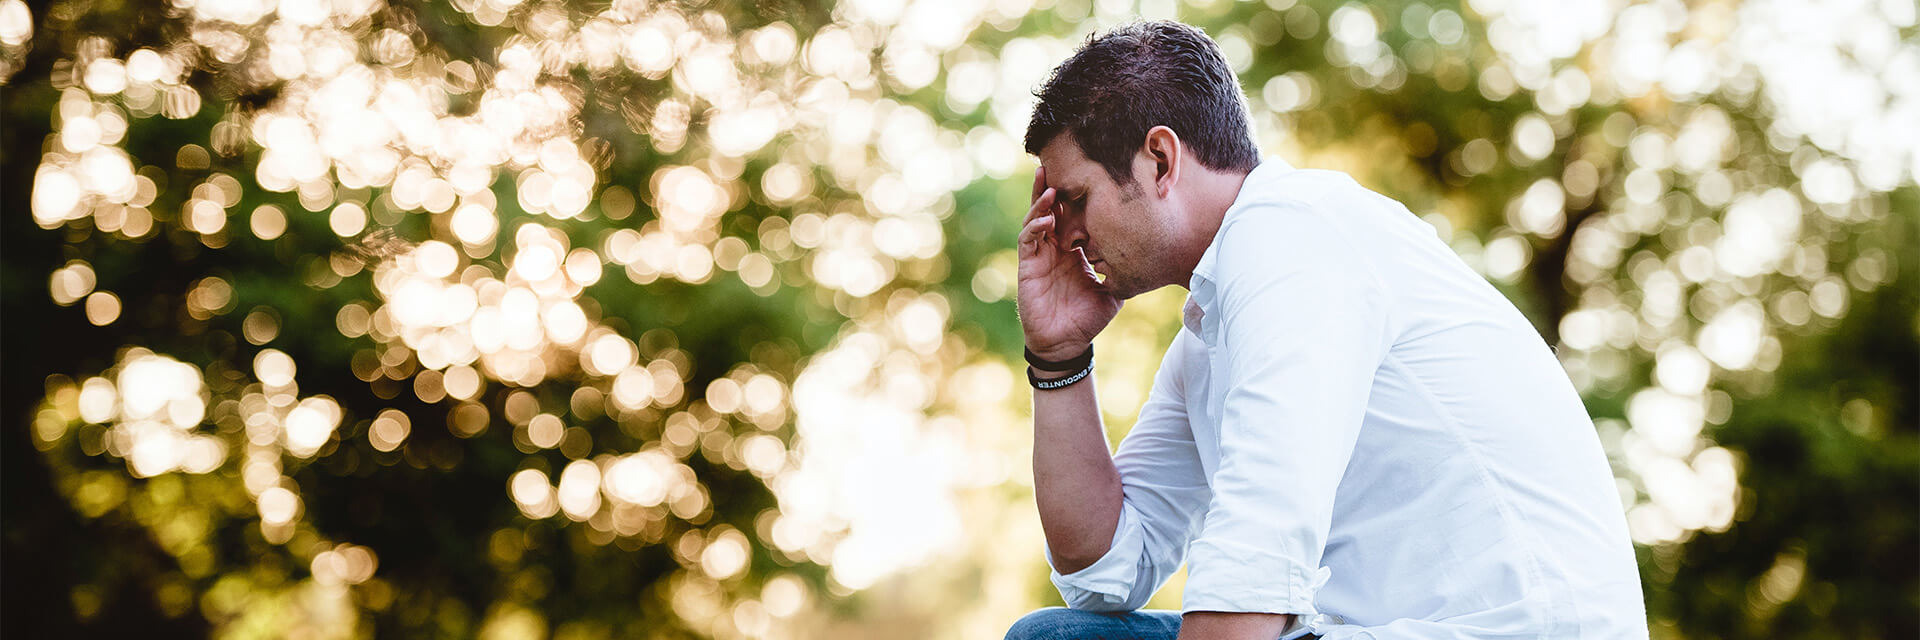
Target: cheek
x: 1104, y: 239
x: 1114, y: 230
x: 1103, y: 228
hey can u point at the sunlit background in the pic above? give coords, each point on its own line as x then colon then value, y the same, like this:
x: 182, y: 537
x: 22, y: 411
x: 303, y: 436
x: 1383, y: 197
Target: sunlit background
x: 542, y: 319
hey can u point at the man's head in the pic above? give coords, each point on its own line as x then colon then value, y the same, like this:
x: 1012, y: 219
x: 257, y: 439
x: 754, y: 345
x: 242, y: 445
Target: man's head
x: 1117, y: 127
x: 1124, y: 82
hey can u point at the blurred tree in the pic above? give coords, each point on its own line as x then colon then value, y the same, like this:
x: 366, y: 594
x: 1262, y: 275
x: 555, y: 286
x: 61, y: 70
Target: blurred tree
x: 594, y: 319
x: 372, y: 144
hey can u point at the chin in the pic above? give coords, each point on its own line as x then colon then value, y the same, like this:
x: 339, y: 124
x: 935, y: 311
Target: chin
x: 1127, y: 290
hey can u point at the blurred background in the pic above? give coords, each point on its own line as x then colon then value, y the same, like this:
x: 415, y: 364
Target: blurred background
x: 590, y: 319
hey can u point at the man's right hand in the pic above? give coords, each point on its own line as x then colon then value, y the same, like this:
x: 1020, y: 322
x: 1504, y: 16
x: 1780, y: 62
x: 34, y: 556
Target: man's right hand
x: 1062, y: 305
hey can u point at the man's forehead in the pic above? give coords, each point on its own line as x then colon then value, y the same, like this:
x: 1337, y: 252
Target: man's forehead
x: 1066, y: 165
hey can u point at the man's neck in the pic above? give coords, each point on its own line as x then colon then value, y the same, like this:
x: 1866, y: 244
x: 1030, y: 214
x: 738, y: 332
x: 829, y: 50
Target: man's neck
x: 1212, y: 193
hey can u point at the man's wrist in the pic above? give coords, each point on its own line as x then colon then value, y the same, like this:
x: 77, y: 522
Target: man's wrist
x: 1046, y: 375
x: 1064, y: 358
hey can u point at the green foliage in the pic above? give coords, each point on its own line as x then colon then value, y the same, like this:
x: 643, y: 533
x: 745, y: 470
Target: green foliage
x: 1688, y: 249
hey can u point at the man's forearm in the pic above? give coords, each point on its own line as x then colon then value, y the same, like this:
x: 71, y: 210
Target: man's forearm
x: 1216, y: 625
x: 1075, y: 483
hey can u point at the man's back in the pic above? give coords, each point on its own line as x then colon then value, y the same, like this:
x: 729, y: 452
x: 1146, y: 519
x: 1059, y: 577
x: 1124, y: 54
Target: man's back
x: 1478, y: 492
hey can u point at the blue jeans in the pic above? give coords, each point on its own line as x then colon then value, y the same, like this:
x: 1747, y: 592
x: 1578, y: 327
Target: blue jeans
x: 1055, y: 623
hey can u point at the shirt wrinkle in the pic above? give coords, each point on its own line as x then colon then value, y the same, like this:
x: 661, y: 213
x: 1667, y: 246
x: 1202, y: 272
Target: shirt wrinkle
x: 1499, y: 491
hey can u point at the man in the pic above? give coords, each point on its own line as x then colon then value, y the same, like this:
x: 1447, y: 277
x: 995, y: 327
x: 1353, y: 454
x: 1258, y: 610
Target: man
x: 1354, y: 435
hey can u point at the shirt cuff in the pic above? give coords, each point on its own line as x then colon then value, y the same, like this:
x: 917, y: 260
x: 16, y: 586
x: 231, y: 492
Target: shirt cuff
x: 1300, y: 627
x: 1108, y: 583
x: 1224, y: 575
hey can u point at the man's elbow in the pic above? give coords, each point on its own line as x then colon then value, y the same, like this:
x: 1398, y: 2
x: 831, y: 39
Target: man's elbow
x: 1072, y: 557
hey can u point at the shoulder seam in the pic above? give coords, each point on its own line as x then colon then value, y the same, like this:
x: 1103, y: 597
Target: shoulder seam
x: 1372, y: 271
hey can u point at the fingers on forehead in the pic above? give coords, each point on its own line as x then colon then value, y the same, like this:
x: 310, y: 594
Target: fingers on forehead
x: 1042, y: 204
x: 1034, y: 228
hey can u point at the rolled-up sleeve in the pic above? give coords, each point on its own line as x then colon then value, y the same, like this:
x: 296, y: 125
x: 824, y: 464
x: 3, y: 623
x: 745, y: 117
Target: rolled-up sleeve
x: 1298, y: 326
x: 1164, y: 491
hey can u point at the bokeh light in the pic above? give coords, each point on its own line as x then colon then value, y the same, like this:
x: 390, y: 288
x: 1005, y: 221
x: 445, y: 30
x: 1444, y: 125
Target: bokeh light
x: 703, y: 310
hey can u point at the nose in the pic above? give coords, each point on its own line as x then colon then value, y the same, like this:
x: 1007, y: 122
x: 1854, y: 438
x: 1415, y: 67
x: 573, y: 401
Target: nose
x: 1070, y: 228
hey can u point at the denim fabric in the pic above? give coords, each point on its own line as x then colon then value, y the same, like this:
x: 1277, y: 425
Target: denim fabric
x: 1055, y: 623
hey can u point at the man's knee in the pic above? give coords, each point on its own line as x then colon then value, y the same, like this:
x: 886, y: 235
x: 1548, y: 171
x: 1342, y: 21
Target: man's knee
x: 1051, y: 623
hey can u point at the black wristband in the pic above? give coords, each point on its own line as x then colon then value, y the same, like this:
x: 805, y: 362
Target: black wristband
x: 1075, y: 363
x: 1044, y: 384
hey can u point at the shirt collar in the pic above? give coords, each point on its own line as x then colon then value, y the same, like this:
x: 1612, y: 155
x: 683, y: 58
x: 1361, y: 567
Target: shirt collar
x: 1200, y: 289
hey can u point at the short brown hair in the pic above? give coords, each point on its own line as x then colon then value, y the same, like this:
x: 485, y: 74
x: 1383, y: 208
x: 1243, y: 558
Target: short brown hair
x: 1137, y: 76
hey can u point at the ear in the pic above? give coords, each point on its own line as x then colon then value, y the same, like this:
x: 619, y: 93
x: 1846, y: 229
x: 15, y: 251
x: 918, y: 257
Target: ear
x: 1164, y: 151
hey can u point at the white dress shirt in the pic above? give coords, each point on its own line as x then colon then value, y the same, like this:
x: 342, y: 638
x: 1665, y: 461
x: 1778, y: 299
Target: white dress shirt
x: 1356, y: 428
